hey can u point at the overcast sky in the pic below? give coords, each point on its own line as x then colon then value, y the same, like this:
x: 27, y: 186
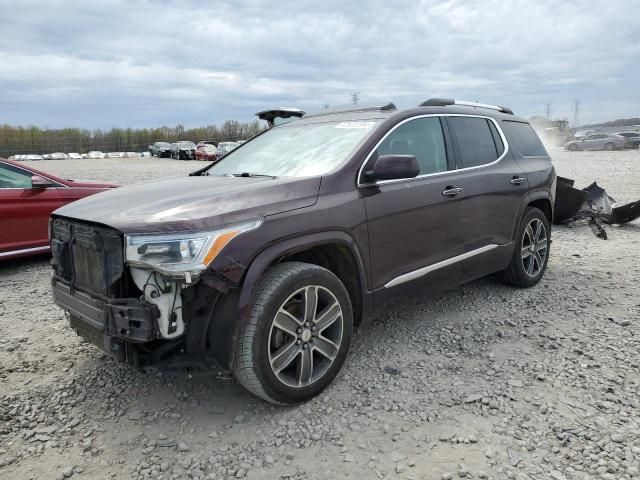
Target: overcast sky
x: 105, y: 63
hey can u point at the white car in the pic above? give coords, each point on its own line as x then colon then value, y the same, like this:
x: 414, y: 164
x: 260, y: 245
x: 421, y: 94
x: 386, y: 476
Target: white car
x: 95, y: 154
x: 226, y: 147
x: 56, y: 156
x: 114, y: 155
x: 75, y: 156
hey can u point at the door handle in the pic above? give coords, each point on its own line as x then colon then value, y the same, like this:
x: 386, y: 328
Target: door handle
x: 518, y: 180
x: 452, y: 192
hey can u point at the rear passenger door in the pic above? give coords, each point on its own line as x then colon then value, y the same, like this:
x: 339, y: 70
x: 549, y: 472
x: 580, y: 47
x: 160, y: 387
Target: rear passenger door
x: 492, y: 188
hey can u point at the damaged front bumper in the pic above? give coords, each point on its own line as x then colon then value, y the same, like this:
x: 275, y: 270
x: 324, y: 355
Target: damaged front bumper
x: 108, y: 323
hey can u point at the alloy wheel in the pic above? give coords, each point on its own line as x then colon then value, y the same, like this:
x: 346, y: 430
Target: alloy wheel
x: 534, y: 247
x: 305, y: 336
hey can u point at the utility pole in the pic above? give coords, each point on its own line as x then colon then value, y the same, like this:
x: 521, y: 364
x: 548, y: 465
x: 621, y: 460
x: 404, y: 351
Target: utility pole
x: 355, y: 98
x: 576, y: 113
x: 326, y: 105
x: 548, y: 110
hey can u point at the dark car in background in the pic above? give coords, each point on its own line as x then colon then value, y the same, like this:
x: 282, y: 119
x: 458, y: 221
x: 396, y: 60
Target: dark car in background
x: 27, y: 198
x: 596, y: 141
x: 267, y: 259
x: 632, y: 139
x: 160, y: 149
x: 183, y: 150
x: 207, y: 152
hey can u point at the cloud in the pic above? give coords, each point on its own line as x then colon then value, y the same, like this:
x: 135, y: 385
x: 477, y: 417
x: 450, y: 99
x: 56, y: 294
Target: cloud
x: 118, y: 63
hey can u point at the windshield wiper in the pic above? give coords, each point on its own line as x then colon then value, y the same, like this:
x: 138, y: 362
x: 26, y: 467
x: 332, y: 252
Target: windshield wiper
x: 248, y: 174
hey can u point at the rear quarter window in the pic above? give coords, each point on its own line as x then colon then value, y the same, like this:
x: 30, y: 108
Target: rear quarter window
x: 524, y: 138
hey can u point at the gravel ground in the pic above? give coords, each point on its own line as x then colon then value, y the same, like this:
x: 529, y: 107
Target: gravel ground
x: 491, y: 382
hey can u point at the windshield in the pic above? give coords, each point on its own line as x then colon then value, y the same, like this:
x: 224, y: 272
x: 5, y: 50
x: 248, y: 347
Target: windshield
x: 162, y: 144
x: 295, y: 150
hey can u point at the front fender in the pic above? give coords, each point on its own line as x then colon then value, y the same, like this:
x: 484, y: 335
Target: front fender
x: 234, y: 307
x: 290, y: 246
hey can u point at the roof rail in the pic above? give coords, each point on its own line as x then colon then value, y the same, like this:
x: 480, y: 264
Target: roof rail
x: 366, y: 108
x: 443, y: 102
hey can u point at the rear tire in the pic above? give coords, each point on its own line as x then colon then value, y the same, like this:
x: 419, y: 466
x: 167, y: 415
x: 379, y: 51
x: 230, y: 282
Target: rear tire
x: 610, y: 147
x: 297, y: 335
x: 531, y: 252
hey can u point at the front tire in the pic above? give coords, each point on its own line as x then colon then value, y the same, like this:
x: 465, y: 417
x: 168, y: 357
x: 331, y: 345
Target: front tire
x: 531, y: 252
x: 610, y: 147
x: 573, y: 147
x: 297, y: 335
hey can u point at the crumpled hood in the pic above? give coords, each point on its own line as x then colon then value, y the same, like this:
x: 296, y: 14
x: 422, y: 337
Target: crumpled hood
x: 192, y: 203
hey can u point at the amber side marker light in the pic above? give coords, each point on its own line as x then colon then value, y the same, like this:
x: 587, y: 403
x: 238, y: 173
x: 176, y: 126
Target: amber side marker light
x: 219, y: 243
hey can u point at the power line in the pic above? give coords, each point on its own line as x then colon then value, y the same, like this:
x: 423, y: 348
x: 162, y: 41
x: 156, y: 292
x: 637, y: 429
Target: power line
x: 576, y: 113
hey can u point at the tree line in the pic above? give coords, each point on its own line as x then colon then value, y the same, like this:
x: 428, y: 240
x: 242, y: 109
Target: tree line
x: 34, y: 140
x: 621, y: 122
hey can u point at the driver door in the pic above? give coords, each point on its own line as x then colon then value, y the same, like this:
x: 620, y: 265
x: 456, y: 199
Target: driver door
x: 24, y: 210
x: 413, y: 227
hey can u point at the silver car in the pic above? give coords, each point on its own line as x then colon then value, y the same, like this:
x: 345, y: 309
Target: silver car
x: 596, y: 141
x: 632, y: 139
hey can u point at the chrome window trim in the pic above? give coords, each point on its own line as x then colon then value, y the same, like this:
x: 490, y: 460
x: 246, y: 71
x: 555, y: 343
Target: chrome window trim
x: 24, y: 250
x: 421, y: 272
x: 385, y: 182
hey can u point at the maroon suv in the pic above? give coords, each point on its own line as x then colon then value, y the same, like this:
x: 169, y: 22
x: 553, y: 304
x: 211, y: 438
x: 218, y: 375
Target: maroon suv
x: 268, y: 259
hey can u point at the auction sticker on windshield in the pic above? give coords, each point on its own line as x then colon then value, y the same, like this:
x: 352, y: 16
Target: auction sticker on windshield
x: 355, y: 124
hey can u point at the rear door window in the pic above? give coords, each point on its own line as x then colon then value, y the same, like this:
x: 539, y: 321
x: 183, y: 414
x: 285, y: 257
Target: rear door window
x: 524, y: 138
x: 473, y: 141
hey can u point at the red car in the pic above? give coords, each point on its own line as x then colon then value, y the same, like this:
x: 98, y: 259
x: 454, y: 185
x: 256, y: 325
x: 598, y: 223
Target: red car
x: 207, y: 152
x: 27, y: 198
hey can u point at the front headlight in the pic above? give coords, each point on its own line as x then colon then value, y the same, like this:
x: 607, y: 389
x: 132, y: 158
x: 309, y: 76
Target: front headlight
x: 182, y: 254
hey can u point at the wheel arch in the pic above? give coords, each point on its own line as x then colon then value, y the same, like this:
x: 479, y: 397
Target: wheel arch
x: 544, y: 204
x: 540, y: 199
x: 335, y: 250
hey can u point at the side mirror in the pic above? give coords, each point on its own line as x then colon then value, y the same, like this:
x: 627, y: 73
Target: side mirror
x: 393, y: 167
x: 40, y: 182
